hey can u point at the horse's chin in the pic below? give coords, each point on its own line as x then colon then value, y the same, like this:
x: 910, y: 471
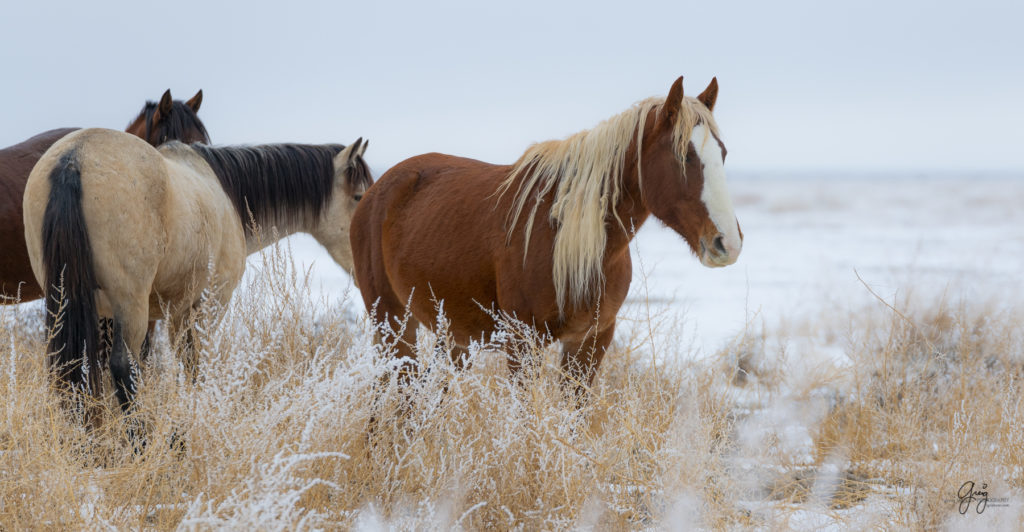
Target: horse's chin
x: 712, y: 264
x: 715, y: 261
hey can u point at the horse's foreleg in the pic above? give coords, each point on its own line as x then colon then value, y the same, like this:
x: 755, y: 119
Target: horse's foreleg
x: 580, y: 359
x: 516, y: 348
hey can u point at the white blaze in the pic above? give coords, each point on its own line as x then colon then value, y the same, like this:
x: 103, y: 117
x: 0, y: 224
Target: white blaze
x: 715, y: 194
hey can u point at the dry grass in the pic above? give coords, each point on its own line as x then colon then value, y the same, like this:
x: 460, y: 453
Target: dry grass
x: 275, y: 431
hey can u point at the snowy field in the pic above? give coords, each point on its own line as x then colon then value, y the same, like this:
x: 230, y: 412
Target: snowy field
x: 806, y: 239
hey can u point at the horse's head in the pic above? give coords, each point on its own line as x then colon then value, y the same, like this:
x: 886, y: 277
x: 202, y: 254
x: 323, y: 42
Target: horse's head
x: 170, y: 120
x: 351, y: 179
x: 683, y: 176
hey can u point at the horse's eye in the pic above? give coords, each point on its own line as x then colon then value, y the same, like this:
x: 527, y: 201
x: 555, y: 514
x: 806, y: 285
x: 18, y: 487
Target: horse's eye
x: 358, y: 197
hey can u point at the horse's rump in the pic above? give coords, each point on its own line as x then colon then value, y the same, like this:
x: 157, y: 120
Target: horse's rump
x: 123, y: 184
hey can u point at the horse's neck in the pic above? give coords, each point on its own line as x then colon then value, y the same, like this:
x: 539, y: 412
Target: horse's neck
x: 269, y: 231
x: 334, y: 241
x: 268, y: 234
x: 631, y: 210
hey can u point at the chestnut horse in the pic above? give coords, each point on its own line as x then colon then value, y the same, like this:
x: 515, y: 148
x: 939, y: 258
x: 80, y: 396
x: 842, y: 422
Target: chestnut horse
x: 547, y: 239
x: 118, y: 229
x: 157, y: 123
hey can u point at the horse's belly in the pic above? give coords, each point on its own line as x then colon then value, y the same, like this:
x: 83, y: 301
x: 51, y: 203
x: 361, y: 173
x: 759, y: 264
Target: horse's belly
x: 456, y: 282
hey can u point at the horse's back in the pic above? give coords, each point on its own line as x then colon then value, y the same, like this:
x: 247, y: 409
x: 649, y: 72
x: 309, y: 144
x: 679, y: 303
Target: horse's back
x: 435, y: 164
x: 435, y: 179
x: 31, y: 149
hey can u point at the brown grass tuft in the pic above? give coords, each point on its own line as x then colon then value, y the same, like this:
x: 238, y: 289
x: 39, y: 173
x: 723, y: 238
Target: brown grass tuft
x: 275, y: 432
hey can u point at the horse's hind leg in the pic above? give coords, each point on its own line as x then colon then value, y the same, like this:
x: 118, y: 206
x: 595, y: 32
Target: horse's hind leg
x: 394, y: 327
x: 129, y: 336
x: 107, y: 340
x: 396, y: 324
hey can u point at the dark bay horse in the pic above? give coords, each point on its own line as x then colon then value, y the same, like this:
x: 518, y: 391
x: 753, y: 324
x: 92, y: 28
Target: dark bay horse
x: 547, y: 239
x: 157, y: 123
x: 132, y: 231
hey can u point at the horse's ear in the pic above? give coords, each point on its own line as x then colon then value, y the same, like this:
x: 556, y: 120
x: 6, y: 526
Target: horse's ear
x: 196, y: 101
x: 357, y: 149
x: 674, y: 100
x: 348, y: 154
x: 165, y: 103
x: 362, y: 147
x: 709, y: 95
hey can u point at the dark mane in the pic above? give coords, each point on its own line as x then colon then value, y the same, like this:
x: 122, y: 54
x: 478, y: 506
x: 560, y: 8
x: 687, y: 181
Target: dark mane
x: 278, y: 183
x: 176, y: 125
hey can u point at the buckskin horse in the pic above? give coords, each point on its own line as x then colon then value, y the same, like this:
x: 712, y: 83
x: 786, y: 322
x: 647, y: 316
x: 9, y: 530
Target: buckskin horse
x: 118, y: 229
x: 157, y: 123
x: 546, y: 239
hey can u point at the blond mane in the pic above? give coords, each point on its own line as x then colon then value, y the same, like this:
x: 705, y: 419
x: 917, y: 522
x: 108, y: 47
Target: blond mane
x: 585, y: 171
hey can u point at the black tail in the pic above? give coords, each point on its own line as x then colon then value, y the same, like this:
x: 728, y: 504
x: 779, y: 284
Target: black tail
x: 67, y: 256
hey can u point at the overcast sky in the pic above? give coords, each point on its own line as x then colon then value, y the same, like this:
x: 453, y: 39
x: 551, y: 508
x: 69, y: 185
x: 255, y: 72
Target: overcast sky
x: 805, y: 86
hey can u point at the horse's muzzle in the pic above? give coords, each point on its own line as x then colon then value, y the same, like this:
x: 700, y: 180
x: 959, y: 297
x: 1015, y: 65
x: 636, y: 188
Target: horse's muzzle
x: 719, y: 251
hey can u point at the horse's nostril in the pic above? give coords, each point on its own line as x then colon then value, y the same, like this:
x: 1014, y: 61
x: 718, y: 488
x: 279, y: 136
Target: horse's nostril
x: 719, y: 244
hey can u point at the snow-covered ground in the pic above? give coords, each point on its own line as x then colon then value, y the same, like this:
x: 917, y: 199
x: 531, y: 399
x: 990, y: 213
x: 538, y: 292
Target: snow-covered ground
x: 806, y: 239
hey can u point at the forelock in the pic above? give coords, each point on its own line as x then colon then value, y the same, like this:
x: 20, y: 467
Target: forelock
x: 691, y: 113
